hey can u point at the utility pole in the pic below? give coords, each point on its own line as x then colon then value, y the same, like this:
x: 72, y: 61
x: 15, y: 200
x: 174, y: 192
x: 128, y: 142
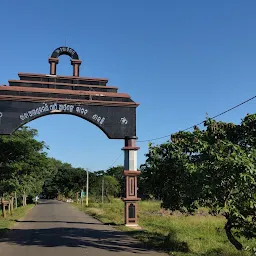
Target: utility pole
x: 87, y: 187
x: 102, y: 190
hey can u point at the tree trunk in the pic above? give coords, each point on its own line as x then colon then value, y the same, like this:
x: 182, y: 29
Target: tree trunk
x: 2, y: 206
x: 231, y: 238
x: 24, y: 203
x: 107, y: 196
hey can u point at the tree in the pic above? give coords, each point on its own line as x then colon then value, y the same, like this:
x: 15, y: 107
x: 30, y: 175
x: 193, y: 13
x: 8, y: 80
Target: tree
x: 23, y: 163
x: 214, y: 167
x: 66, y: 181
x: 117, y: 173
x: 111, y: 186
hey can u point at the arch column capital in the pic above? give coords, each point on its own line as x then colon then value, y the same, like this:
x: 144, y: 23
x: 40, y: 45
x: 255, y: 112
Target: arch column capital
x: 53, y: 60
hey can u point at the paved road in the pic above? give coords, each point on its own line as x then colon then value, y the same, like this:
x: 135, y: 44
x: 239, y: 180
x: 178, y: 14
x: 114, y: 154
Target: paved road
x: 54, y: 228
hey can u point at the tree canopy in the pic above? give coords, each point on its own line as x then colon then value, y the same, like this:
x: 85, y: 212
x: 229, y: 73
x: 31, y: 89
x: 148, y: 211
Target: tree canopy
x: 214, y: 167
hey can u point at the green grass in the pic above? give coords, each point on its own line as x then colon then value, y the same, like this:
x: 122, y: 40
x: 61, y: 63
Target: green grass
x: 180, y: 235
x: 10, y: 220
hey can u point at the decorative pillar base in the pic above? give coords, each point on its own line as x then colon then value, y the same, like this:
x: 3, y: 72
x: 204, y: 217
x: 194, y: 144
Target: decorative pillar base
x: 133, y: 226
x: 131, y: 212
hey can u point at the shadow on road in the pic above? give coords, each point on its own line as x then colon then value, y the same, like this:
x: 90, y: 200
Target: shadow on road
x: 57, y: 221
x: 69, y: 222
x: 74, y: 237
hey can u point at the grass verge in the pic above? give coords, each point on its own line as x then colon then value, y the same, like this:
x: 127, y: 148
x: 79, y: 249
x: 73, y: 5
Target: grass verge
x: 179, y: 235
x: 10, y: 220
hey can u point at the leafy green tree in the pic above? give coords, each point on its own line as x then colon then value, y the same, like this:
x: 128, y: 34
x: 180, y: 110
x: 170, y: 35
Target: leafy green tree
x: 214, y: 167
x: 23, y: 163
x: 67, y: 181
x: 117, y: 173
x: 111, y: 187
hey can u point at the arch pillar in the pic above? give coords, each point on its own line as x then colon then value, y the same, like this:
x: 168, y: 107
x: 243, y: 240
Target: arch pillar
x: 76, y: 66
x: 131, y: 184
x: 53, y: 65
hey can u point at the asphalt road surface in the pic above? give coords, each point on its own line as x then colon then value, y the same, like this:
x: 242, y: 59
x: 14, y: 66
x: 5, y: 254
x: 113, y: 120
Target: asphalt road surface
x: 54, y: 228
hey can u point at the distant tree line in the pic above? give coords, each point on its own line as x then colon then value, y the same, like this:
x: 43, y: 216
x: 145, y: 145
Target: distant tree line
x: 27, y: 171
x: 68, y: 181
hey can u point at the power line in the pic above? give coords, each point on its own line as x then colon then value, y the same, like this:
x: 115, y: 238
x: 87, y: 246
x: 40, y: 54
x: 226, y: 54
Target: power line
x: 115, y: 161
x: 222, y: 113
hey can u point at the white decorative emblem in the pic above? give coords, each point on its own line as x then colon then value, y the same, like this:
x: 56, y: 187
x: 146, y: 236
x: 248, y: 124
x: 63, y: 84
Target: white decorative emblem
x: 123, y: 120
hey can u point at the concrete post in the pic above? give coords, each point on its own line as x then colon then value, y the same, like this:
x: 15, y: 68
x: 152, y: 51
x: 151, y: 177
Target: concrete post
x: 4, y: 210
x: 12, y: 201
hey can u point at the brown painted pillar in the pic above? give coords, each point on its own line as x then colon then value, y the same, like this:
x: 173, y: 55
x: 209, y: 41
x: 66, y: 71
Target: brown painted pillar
x: 76, y: 65
x: 131, y: 173
x: 53, y: 65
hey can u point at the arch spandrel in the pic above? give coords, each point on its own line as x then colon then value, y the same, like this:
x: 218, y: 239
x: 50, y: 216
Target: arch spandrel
x: 115, y: 122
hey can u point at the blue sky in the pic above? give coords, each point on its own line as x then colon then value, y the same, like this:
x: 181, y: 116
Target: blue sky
x: 178, y: 58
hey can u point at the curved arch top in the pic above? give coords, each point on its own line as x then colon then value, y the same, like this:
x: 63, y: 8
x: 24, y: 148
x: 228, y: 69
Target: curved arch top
x: 64, y: 50
x: 115, y: 122
x: 97, y: 124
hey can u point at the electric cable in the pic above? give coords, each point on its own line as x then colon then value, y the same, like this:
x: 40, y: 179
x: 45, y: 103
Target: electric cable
x: 220, y: 114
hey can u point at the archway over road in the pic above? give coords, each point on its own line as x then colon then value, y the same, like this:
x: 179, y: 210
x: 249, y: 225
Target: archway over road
x: 37, y: 95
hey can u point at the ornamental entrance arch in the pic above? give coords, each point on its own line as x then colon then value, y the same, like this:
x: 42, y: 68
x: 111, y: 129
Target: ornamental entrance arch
x: 37, y: 95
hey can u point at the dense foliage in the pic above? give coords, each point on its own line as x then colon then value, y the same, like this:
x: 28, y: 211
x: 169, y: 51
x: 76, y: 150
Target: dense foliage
x: 215, y: 168
x: 68, y: 181
x: 23, y: 164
